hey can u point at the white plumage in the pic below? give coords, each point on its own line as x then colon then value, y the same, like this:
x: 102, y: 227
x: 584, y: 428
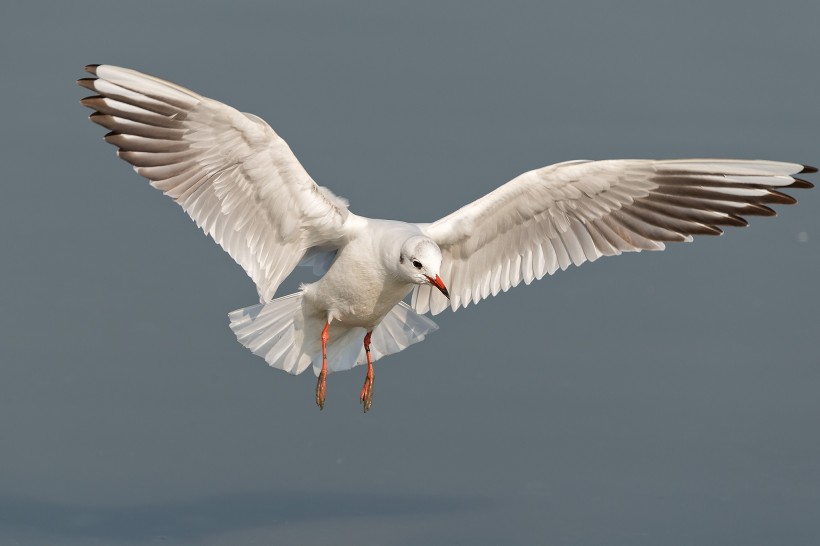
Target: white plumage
x: 229, y: 171
x: 243, y: 186
x: 578, y: 211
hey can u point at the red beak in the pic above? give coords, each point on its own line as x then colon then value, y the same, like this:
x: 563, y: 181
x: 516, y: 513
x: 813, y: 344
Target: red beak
x: 438, y: 283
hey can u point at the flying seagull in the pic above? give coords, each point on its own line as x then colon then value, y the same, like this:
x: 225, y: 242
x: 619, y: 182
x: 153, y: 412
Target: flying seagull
x: 243, y: 186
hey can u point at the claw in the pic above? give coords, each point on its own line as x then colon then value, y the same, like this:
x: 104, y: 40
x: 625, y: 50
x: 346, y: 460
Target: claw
x: 366, y: 397
x: 321, y: 383
x: 321, y: 389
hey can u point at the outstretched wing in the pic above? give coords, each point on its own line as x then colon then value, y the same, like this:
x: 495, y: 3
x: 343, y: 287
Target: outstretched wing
x: 581, y: 210
x: 228, y: 170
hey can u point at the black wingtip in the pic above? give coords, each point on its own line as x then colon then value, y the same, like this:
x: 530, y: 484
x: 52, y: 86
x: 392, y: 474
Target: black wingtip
x: 808, y: 169
x: 91, y: 102
x: 88, y: 83
x: 801, y: 184
x: 779, y: 198
x: 756, y: 209
x: 92, y: 68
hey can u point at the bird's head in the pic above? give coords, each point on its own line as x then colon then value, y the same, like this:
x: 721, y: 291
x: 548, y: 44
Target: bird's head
x: 420, y: 262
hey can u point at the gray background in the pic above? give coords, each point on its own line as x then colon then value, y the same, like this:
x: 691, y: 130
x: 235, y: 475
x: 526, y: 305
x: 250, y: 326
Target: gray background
x: 661, y: 398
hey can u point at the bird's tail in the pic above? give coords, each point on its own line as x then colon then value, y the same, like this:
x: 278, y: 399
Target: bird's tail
x: 288, y: 337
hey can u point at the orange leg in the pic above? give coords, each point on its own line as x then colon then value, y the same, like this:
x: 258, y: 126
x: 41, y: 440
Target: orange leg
x: 321, y: 383
x: 366, y: 397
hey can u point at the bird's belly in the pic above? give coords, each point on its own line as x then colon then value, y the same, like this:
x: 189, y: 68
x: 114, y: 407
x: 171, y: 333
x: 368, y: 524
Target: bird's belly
x: 364, y: 304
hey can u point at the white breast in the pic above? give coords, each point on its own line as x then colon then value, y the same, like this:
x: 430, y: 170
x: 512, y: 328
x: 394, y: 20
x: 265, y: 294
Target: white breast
x: 357, y: 290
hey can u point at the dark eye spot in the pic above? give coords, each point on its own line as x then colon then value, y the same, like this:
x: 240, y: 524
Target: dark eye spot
x: 417, y: 264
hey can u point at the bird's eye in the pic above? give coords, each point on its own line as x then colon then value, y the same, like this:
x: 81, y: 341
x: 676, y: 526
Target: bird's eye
x: 417, y: 264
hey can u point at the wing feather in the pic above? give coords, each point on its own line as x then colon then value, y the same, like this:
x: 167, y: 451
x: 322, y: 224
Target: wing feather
x: 574, y: 212
x: 233, y: 175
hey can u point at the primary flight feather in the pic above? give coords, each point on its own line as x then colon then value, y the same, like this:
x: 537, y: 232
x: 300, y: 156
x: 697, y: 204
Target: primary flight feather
x: 241, y: 184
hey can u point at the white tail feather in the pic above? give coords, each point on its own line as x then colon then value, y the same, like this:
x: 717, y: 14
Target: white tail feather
x: 401, y: 328
x: 288, y: 337
x: 272, y: 330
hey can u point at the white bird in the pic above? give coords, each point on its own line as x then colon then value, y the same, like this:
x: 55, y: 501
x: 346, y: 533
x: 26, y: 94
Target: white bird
x: 243, y: 186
